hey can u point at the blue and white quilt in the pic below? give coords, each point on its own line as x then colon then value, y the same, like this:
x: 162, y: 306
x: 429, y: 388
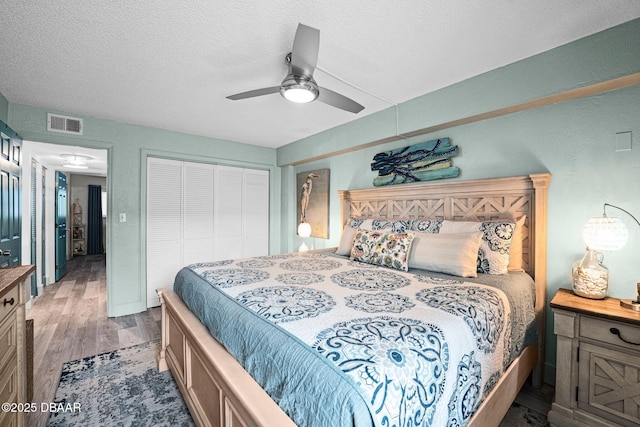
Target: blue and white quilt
x: 340, y: 343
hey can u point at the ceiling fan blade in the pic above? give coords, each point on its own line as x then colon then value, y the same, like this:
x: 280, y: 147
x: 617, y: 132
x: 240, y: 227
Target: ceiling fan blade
x: 304, y: 55
x: 339, y: 101
x: 254, y: 93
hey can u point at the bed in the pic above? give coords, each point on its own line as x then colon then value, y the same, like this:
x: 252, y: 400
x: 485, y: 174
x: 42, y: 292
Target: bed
x: 219, y: 391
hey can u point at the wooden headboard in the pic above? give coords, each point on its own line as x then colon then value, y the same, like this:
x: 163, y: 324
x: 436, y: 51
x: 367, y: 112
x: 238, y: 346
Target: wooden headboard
x: 480, y: 199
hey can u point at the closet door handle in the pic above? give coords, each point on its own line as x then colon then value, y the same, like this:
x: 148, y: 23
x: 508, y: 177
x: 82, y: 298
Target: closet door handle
x: 616, y: 331
x: 8, y: 301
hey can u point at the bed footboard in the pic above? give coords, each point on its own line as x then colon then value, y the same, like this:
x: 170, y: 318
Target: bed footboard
x: 217, y: 390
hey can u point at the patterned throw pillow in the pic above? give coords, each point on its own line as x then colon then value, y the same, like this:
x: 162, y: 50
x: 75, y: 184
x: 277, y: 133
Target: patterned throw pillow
x: 426, y: 225
x: 381, y: 248
x: 493, y: 255
x: 378, y: 224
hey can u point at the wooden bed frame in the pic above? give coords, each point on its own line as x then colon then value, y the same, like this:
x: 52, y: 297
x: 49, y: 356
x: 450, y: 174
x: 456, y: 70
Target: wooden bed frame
x: 219, y: 392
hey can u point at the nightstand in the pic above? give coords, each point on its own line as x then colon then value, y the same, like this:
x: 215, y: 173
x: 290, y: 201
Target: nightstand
x: 598, y: 362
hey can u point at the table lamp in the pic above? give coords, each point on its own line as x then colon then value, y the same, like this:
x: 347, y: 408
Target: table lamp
x: 304, y: 230
x: 603, y: 233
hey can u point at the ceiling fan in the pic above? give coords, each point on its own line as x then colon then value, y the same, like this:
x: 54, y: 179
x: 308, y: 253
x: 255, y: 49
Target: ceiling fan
x: 299, y: 85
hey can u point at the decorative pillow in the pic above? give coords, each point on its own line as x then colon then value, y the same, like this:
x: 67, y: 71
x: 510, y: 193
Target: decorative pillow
x: 349, y: 231
x: 515, y: 254
x: 426, y: 225
x: 380, y: 248
x: 454, y: 253
x: 493, y: 255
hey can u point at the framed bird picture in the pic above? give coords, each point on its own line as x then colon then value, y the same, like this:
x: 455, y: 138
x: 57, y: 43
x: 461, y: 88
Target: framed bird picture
x: 313, y: 203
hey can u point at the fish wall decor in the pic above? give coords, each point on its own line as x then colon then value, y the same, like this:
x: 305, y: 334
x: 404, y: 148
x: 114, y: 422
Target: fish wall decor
x: 420, y: 162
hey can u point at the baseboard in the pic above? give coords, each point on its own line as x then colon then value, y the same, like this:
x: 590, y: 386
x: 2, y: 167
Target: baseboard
x: 126, y: 309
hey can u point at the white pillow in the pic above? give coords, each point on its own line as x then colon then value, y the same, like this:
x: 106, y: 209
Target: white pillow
x: 515, y: 253
x: 495, y: 245
x: 346, y: 240
x: 451, y: 253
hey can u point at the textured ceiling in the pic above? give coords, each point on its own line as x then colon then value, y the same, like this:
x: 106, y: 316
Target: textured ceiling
x: 170, y: 64
x: 50, y: 155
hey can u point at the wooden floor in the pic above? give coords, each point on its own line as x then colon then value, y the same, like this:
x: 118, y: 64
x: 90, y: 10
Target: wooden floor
x: 70, y: 322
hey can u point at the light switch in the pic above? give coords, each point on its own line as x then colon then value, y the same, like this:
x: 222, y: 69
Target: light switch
x: 623, y: 141
x: 122, y: 217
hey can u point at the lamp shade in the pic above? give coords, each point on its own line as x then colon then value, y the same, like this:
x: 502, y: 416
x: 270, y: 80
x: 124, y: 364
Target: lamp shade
x: 605, y: 234
x: 304, y: 229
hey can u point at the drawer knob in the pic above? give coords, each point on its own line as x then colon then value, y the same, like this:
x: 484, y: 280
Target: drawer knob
x: 616, y: 331
x: 8, y: 301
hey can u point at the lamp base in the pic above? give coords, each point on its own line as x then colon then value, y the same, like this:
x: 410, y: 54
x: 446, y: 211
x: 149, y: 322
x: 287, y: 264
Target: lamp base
x: 630, y: 304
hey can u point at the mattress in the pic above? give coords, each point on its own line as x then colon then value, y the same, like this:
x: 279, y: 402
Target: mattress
x: 336, y: 342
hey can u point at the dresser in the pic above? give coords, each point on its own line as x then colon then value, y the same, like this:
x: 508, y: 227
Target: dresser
x: 13, y: 292
x: 598, y: 362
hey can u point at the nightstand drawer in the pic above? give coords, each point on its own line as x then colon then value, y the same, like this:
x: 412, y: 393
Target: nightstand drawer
x: 8, y: 336
x: 12, y: 300
x: 607, y: 331
x: 9, y: 383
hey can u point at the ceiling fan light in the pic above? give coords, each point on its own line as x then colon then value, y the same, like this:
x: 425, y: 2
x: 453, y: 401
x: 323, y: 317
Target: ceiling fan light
x: 299, y: 90
x: 298, y: 95
x: 75, y: 161
x: 75, y: 166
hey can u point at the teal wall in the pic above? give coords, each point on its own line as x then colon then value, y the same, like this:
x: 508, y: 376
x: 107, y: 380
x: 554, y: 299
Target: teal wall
x: 574, y: 140
x: 127, y: 146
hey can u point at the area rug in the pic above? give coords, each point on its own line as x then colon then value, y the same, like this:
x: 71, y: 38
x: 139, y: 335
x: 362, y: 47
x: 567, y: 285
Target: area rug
x: 124, y: 388
x: 118, y: 388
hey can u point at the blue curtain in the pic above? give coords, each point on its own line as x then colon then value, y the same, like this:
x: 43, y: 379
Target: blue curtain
x: 94, y: 220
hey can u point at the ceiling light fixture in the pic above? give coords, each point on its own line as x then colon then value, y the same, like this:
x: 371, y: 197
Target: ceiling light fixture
x: 75, y: 161
x: 299, y: 89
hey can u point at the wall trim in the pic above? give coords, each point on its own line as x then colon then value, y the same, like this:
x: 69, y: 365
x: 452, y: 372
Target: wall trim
x: 569, y: 95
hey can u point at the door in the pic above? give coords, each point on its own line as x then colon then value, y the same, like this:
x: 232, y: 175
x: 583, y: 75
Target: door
x: 10, y: 192
x: 34, y: 242
x: 164, y: 225
x: 43, y: 231
x: 61, y: 225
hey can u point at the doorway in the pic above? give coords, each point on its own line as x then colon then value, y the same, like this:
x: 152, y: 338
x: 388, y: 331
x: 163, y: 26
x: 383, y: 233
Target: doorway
x: 51, y: 206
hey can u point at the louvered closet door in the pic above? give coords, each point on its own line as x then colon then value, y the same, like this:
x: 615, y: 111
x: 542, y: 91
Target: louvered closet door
x: 164, y: 225
x: 255, y: 218
x: 228, y: 212
x: 198, y: 212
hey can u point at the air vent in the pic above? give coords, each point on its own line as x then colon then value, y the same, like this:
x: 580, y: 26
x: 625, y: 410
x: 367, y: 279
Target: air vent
x: 64, y: 124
